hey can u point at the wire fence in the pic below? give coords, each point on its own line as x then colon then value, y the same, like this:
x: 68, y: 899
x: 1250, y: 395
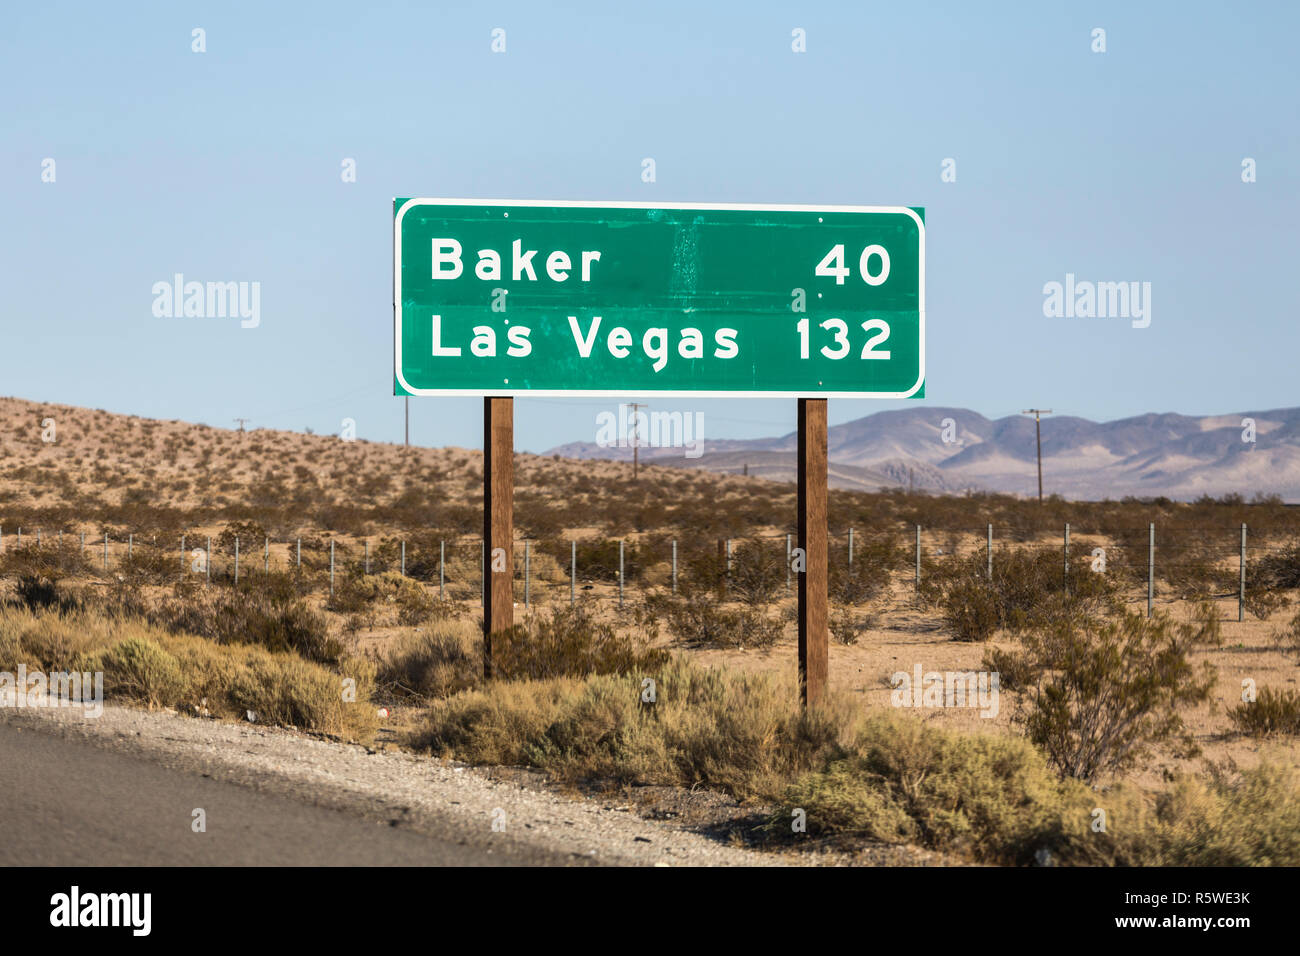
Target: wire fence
x: 1209, y: 562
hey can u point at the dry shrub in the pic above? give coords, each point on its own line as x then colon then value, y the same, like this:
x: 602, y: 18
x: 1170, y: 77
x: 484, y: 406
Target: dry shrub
x: 997, y: 800
x: 417, y: 605
x: 971, y: 610
x: 570, y: 641
x: 50, y: 560
x: 250, y: 534
x: 868, y: 574
x: 1272, y: 712
x: 1029, y: 589
x: 1277, y: 570
x: 543, y: 567
x: 698, y: 618
x: 1234, y: 818
x: 598, y: 560
x: 49, y: 640
x: 847, y: 626
x: 757, y: 573
x: 139, y: 669
x: 744, y: 733
x: 443, y: 659
x: 1287, y: 640
x: 659, y: 575
x: 1098, y: 696
x: 267, y: 612
x: 981, y: 796
x: 146, y: 664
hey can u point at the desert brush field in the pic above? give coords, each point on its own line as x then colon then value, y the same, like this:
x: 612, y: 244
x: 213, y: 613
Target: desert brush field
x: 359, y: 567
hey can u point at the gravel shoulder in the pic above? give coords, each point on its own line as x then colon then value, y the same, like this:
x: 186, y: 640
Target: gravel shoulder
x: 428, y: 795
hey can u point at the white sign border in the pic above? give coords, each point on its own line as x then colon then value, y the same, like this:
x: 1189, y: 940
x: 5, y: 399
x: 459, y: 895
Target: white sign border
x: 620, y: 393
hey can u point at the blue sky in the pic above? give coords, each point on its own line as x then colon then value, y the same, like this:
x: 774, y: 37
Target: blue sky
x: 225, y: 165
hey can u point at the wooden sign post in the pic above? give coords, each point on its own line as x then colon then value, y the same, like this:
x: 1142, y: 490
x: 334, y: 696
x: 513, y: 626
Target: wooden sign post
x: 813, y: 583
x: 498, y: 521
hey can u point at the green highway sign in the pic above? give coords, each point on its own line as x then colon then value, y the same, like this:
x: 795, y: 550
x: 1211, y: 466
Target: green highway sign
x: 520, y: 297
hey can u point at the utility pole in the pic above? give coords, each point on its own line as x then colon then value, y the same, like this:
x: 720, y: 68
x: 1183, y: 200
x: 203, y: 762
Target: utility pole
x: 636, y: 435
x: 242, y: 423
x: 408, y: 421
x: 1038, y: 437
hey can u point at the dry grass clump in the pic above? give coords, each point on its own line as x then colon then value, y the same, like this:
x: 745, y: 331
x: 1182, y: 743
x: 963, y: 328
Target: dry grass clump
x: 980, y: 796
x: 1273, y: 712
x: 886, y: 777
x: 267, y: 611
x: 1287, y: 639
x: 433, y: 662
x: 146, y: 664
x: 698, y: 618
x: 677, y: 724
x: 997, y: 800
x: 571, y: 641
x: 52, y: 561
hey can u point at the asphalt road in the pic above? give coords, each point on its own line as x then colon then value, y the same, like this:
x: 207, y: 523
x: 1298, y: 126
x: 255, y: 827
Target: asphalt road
x: 66, y: 802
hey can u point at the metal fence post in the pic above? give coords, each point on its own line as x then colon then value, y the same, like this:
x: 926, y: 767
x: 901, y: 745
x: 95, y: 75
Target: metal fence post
x: 1151, y: 568
x: 442, y: 566
x: 207, y: 560
x: 674, y: 565
x: 182, y: 553
x: 850, y: 547
x: 573, y: 571
x: 787, y: 562
x: 527, y: 575
x: 83, y: 541
x: 300, y: 552
x: 266, y: 555
x: 331, y: 568
x: 367, y: 544
x: 1241, y: 593
x: 620, y: 573
x: 1066, y: 572
x: 918, y: 557
x: 990, y: 551
x: 728, y: 557
x: 403, y: 559
x: 236, y: 559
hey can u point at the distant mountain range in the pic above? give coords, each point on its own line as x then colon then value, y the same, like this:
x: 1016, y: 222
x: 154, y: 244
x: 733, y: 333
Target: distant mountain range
x: 1177, y: 456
